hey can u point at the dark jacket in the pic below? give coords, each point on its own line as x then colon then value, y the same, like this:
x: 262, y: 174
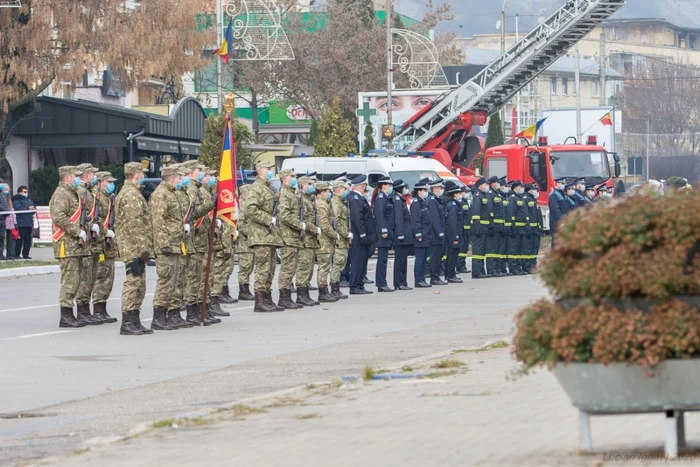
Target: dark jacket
x: 453, y: 225
x: 403, y: 221
x: 436, y: 211
x: 482, y: 210
x: 558, y: 207
x: 498, y: 219
x: 420, y: 222
x: 386, y: 223
x: 3, y: 206
x: 361, y: 220
x: 519, y: 213
x: 22, y: 203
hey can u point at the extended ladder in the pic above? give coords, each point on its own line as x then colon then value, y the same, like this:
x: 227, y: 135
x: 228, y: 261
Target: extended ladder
x: 496, y: 84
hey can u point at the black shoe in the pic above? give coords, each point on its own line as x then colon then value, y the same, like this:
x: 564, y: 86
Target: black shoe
x: 100, y: 312
x: 344, y: 284
x: 244, y: 293
x: 423, y: 285
x: 499, y: 274
x: 462, y: 270
x: 324, y: 296
x: 26, y: 257
x: 336, y: 293
x: 262, y: 305
x: 226, y: 297
x: 360, y: 292
x: 385, y: 288
x: 194, y: 313
x: 303, y: 297
x: 83, y: 315
x: 129, y: 327
x: 68, y: 320
x: 174, y: 319
x: 367, y: 281
x: 286, y: 301
x: 404, y: 287
x: 437, y: 282
x: 136, y: 319
x: 480, y: 276
x: 2, y: 258
x: 215, y: 309
x: 268, y: 298
x: 160, y: 321
x: 520, y: 273
x: 454, y: 280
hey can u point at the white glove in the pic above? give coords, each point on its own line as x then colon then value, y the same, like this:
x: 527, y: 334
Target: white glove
x: 350, y: 235
x: 187, y: 228
x: 110, y: 234
x: 218, y: 223
x: 82, y: 235
x: 318, y: 230
x: 401, y: 237
x: 303, y: 226
x: 338, y: 235
x: 442, y: 235
x: 95, y: 228
x: 273, y: 222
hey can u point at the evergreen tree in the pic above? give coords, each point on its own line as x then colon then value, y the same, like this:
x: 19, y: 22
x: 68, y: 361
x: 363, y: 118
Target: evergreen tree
x: 368, y: 143
x: 313, y: 132
x: 335, y: 138
x: 397, y: 22
x: 212, y: 143
x: 366, y: 13
x: 494, y: 137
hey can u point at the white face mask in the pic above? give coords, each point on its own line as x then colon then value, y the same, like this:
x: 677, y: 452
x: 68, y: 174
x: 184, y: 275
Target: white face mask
x: 535, y: 194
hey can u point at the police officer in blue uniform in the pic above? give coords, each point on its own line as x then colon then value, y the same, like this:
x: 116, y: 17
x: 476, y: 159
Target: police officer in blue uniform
x: 364, y: 234
x: 589, y: 194
x: 482, y: 208
x: 559, y: 205
x: 465, y: 205
x: 403, y: 235
x: 493, y: 266
x: 579, y: 196
x: 420, y: 223
x: 386, y: 225
x: 453, y: 231
x: 570, y: 192
x: 436, y: 210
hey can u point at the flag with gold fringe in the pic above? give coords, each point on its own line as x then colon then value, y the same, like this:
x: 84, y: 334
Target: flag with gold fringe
x: 227, y: 208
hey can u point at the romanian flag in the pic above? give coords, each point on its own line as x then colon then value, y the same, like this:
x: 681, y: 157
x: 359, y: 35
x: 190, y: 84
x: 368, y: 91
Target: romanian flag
x: 607, y: 119
x: 224, y: 50
x: 531, y: 131
x: 227, y: 200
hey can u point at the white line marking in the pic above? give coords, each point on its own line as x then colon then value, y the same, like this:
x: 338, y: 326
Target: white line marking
x: 52, y: 305
x: 27, y: 336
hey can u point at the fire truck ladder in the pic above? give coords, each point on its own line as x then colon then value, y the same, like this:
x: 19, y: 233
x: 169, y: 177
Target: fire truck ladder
x: 495, y: 85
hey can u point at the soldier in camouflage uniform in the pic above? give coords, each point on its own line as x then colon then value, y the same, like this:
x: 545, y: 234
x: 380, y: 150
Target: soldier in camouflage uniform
x: 327, y: 240
x: 68, y: 241
x: 168, y: 232
x: 221, y: 264
x: 227, y: 266
x: 305, y: 264
x: 290, y: 228
x: 209, y: 191
x: 132, y: 230
x: 261, y: 217
x: 340, y: 252
x: 185, y: 247
x: 88, y: 193
x: 245, y: 253
x: 194, y: 292
x: 104, y: 273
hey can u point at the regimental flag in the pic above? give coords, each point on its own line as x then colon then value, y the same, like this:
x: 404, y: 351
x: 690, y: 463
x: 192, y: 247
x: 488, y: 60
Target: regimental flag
x: 607, y: 119
x: 224, y: 50
x: 531, y: 131
x: 227, y: 200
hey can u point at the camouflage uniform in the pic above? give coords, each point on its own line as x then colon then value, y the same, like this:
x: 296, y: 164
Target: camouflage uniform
x: 245, y: 253
x: 185, y: 248
x: 223, y: 262
x: 96, y: 242
x: 327, y: 240
x: 133, y: 233
x: 264, y: 238
x: 305, y: 268
x: 340, y: 252
x: 290, y: 227
x: 104, y: 275
x: 65, y: 214
x: 194, y: 293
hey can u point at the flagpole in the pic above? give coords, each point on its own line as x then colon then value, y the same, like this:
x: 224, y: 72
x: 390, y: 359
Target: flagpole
x: 219, y: 65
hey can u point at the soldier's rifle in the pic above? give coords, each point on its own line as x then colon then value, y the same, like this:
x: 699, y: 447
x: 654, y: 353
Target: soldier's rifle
x: 190, y: 214
x: 302, y: 234
x: 275, y: 210
x: 84, y: 217
x: 111, y: 217
x: 98, y: 211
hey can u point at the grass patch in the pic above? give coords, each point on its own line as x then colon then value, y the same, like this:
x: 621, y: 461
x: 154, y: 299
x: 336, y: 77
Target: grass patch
x: 307, y: 416
x: 495, y: 345
x: 407, y: 369
x: 240, y: 410
x: 448, y: 363
x: 78, y: 452
x: 283, y: 402
x: 23, y: 263
x: 163, y: 423
x: 309, y: 387
x: 183, y: 422
x: 383, y: 370
x: 368, y: 373
x: 438, y: 374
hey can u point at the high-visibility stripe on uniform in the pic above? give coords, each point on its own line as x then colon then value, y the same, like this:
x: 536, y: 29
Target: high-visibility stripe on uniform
x: 520, y: 224
x: 462, y: 255
x: 484, y: 222
x: 478, y: 257
x: 498, y: 221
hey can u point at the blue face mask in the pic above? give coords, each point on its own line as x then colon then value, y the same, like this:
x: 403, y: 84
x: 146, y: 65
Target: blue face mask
x: 391, y: 190
x: 424, y: 194
x: 5, y: 190
x: 200, y: 178
x: 269, y: 175
x: 212, y: 180
x: 178, y: 185
x: 293, y: 183
x: 110, y: 188
x: 328, y: 196
x: 94, y: 180
x: 310, y: 190
x: 345, y: 194
x: 76, y: 182
x: 142, y: 181
x: 186, y: 181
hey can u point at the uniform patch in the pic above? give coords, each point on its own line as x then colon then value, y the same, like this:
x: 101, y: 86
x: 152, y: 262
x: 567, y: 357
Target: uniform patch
x: 531, y: 203
x: 356, y: 197
x: 520, y: 203
x: 484, y: 201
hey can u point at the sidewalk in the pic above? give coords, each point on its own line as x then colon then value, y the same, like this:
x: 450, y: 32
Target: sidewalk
x: 473, y: 417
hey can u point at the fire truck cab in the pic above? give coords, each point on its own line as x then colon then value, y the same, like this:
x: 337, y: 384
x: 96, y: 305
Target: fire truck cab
x: 542, y: 164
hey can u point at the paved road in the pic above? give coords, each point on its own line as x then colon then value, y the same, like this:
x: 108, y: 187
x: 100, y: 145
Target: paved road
x: 71, y: 385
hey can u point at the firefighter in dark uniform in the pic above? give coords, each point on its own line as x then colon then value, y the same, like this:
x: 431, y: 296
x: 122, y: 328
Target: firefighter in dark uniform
x: 403, y: 235
x: 453, y: 231
x: 589, y: 194
x: 579, y: 195
x: 482, y: 208
x: 386, y: 226
x: 558, y: 205
x: 517, y: 253
x: 465, y: 205
x: 364, y: 234
x: 503, y: 244
x: 534, y: 229
x: 436, y: 211
x: 495, y: 229
x: 570, y: 192
x: 420, y: 223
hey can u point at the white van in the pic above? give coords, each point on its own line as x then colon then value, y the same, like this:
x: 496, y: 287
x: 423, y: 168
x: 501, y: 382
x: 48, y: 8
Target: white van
x: 408, y: 169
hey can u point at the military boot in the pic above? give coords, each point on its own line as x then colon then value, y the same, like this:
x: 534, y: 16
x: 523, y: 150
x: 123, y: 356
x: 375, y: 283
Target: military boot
x: 129, y: 326
x: 336, y: 293
x: 286, y: 301
x: 68, y: 320
x: 303, y: 297
x: 292, y: 288
x: 194, y: 314
x: 208, y: 315
x: 84, y: 315
x: 174, y: 319
x: 324, y: 296
x: 268, y: 298
x: 100, y: 312
x: 215, y: 309
x: 261, y: 304
x: 136, y: 319
x: 244, y: 292
x: 226, y: 297
x: 160, y: 322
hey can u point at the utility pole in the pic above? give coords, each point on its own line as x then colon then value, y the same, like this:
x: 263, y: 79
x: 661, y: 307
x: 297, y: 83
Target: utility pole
x: 603, y: 97
x: 648, y: 137
x: 518, y: 101
x: 389, y: 70
x: 219, y: 66
x: 577, y: 86
x: 503, y: 50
